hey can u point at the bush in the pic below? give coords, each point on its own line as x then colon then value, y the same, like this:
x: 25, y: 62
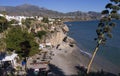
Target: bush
x: 40, y: 34
x: 21, y: 41
x: 45, y: 20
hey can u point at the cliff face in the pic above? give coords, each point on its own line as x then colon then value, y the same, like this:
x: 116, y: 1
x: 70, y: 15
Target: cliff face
x: 56, y: 38
x: 58, y: 35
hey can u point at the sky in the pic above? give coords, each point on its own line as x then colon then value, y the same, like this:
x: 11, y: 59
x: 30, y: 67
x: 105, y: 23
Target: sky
x: 61, y: 5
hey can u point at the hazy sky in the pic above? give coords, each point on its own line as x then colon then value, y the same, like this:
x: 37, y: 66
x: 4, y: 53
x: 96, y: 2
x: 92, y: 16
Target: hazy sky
x: 61, y: 5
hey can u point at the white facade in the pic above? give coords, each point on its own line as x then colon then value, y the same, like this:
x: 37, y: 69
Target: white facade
x: 11, y: 58
x: 41, y: 46
x: 52, y: 20
x: 1, y: 15
x: 40, y: 18
x: 18, y: 18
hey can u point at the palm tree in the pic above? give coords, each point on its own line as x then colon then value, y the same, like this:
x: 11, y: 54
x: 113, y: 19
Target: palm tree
x: 104, y: 27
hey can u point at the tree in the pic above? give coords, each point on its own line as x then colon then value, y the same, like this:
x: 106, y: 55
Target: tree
x: 27, y: 22
x: 13, y: 21
x: 4, y: 13
x: 45, y: 20
x: 21, y: 41
x: 105, y: 25
x: 40, y: 34
x: 3, y: 24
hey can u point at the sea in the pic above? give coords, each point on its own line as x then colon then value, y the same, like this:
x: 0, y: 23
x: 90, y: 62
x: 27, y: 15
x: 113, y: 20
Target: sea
x: 84, y: 33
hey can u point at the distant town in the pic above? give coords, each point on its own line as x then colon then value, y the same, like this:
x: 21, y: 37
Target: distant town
x: 20, y: 18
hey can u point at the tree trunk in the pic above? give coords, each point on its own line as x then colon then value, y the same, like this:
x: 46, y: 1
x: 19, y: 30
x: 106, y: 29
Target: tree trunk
x: 93, y: 56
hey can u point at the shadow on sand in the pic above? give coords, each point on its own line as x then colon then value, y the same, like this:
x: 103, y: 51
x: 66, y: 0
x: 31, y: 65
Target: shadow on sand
x: 55, y: 71
x: 82, y: 71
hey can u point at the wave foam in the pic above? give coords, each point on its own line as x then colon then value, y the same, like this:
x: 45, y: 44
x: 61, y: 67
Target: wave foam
x: 86, y: 53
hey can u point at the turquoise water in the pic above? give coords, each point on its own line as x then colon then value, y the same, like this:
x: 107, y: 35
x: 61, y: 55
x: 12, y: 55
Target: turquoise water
x: 84, y: 33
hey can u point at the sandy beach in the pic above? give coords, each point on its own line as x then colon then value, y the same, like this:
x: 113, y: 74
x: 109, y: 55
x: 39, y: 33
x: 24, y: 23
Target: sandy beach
x: 66, y: 59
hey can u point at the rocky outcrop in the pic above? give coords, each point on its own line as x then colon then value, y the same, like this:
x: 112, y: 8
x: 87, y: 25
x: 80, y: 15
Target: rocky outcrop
x: 70, y: 40
x: 65, y: 28
x: 58, y: 35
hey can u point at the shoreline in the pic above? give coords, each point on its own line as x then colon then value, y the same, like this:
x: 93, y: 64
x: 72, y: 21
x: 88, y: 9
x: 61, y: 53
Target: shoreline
x: 67, y: 58
x: 80, y: 20
x: 101, y: 63
x: 67, y: 55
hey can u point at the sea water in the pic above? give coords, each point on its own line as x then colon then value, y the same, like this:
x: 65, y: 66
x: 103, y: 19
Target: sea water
x: 84, y: 33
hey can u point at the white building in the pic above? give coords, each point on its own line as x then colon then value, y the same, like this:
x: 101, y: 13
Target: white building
x: 10, y: 58
x: 50, y: 19
x: 41, y: 46
x: 40, y: 18
x: 19, y: 18
x: 1, y: 15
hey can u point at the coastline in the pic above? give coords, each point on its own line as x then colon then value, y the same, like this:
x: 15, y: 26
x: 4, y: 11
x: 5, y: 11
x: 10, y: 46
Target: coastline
x: 67, y: 55
x: 84, y: 36
x: 80, y: 20
x: 66, y: 58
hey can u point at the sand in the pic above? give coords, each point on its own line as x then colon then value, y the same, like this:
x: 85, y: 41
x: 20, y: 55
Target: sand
x: 66, y: 58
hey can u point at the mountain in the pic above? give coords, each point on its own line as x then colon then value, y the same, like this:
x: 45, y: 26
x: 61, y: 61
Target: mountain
x: 84, y: 15
x: 32, y: 10
x: 28, y: 10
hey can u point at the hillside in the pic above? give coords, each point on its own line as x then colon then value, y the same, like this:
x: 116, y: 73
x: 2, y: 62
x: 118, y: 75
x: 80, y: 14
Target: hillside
x: 32, y: 10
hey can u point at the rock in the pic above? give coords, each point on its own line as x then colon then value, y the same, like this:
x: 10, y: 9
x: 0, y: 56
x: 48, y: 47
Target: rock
x: 69, y: 40
x: 65, y: 28
x: 63, y: 45
x: 56, y: 38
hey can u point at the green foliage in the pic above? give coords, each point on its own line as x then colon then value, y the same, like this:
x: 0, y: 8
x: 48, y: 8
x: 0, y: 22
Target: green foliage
x: 2, y: 44
x: 105, y: 12
x: 40, y: 34
x: 3, y: 24
x: 105, y: 26
x: 13, y: 38
x: 3, y: 19
x: 28, y: 22
x: 13, y: 21
x: 112, y: 24
x: 16, y: 37
x: 115, y: 1
x: 4, y: 13
x: 45, y: 20
x: 109, y: 5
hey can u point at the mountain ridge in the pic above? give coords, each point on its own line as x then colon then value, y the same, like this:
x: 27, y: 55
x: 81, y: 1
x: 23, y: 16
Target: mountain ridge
x: 33, y: 10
